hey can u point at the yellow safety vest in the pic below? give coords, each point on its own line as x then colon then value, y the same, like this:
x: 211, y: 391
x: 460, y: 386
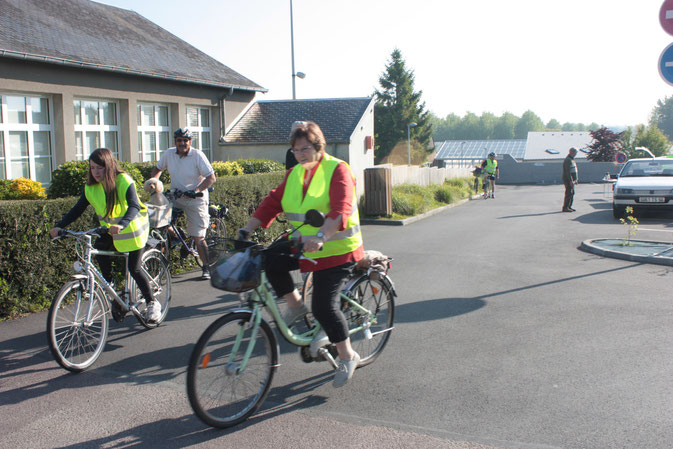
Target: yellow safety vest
x: 317, y: 197
x: 491, y: 165
x: 132, y: 237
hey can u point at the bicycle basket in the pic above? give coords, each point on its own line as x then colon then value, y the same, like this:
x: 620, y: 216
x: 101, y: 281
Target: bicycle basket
x: 238, y: 271
x: 159, y: 216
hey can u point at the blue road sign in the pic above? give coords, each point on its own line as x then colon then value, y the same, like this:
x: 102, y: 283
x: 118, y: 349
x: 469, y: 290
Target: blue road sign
x: 621, y: 157
x: 666, y: 64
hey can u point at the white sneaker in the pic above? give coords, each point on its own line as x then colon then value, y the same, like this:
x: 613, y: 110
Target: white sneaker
x: 291, y: 315
x: 153, y: 312
x: 345, y: 371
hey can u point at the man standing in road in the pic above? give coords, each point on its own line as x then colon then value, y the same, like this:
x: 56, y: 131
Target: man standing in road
x: 569, y: 179
x: 192, y: 174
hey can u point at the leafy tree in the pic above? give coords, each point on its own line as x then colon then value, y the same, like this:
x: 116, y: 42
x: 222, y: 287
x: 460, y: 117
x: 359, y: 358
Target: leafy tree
x: 605, y: 145
x: 651, y: 138
x: 529, y: 122
x: 662, y: 116
x: 504, y: 128
x: 397, y: 105
x: 553, y: 125
x: 487, y: 123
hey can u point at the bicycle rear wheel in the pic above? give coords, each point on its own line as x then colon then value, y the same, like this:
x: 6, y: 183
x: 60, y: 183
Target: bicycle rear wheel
x: 377, y: 297
x: 77, y: 326
x: 158, y: 271
x: 221, y: 392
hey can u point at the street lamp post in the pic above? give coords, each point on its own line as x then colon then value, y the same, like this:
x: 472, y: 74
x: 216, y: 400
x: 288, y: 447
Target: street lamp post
x: 409, y: 126
x: 301, y: 75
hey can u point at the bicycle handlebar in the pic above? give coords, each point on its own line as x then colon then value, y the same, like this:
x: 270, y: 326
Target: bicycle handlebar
x: 99, y: 232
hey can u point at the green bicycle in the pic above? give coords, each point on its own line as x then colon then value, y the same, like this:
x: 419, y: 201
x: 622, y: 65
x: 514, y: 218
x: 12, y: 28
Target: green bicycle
x: 233, y: 363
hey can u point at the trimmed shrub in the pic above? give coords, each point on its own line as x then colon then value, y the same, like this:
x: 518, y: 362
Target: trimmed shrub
x: 227, y: 168
x: 21, y: 189
x: 260, y: 166
x: 32, y: 268
x: 146, y: 169
x: 69, y: 178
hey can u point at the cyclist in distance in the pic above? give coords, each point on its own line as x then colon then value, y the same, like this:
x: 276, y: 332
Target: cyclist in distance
x: 113, y: 195
x: 323, y: 182
x: 491, y: 173
x: 191, y: 173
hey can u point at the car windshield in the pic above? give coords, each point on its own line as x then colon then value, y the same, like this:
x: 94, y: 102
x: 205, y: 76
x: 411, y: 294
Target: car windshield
x: 648, y: 168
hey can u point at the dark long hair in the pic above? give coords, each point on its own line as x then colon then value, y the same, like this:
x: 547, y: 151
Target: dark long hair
x: 105, y: 158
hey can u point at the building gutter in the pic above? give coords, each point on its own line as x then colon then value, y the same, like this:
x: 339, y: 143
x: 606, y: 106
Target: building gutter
x: 122, y: 70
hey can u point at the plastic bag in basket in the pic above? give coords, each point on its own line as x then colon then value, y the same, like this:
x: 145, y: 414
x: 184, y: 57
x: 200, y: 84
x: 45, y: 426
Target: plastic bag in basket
x: 239, y: 272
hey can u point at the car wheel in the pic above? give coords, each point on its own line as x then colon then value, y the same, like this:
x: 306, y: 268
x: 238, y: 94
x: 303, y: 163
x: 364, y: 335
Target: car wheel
x: 618, y: 211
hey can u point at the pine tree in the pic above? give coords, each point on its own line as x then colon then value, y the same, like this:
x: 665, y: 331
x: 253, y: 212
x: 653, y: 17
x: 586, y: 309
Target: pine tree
x: 397, y: 105
x: 605, y: 145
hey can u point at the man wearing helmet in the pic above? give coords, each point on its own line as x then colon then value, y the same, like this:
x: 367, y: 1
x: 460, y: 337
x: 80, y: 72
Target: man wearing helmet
x: 491, y: 173
x: 190, y: 173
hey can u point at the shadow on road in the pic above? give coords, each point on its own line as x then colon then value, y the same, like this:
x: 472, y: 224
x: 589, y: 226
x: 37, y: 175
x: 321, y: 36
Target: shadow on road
x: 437, y: 309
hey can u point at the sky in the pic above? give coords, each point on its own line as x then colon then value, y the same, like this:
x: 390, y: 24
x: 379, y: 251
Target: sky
x: 578, y: 61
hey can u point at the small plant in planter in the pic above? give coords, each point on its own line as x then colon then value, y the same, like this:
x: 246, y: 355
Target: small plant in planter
x: 631, y: 224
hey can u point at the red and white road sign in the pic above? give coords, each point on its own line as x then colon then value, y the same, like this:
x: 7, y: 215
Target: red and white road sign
x: 666, y: 16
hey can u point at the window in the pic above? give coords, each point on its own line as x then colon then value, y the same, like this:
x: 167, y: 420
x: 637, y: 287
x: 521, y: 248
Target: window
x: 198, y: 122
x: 154, y: 130
x: 96, y: 125
x: 25, y: 138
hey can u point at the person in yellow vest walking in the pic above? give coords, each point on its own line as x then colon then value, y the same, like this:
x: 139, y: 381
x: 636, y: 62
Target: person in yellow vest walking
x: 491, y: 173
x: 112, y: 193
x: 323, y: 182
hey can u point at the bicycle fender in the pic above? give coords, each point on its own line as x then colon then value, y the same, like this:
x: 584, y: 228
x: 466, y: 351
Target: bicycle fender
x: 386, y: 279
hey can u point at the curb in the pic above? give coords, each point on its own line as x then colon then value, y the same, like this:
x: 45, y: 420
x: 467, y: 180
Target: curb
x: 589, y: 247
x: 406, y: 221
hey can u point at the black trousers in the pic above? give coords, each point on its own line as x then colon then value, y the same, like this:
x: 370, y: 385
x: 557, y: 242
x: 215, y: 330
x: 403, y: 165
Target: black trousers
x: 570, y: 193
x: 105, y: 243
x: 325, y: 301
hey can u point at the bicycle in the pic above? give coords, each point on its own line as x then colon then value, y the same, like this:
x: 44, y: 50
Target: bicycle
x: 232, y: 366
x: 165, y: 238
x: 77, y: 323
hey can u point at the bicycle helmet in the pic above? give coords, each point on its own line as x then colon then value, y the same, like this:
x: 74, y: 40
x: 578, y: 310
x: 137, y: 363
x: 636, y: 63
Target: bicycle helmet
x: 491, y: 154
x: 182, y: 132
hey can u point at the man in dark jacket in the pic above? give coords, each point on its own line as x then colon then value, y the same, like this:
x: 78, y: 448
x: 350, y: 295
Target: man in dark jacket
x: 569, y: 179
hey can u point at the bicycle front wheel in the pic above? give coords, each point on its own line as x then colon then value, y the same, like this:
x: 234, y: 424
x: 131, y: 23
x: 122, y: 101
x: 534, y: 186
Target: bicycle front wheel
x: 77, y: 326
x: 158, y: 271
x: 224, y: 388
x: 376, y: 296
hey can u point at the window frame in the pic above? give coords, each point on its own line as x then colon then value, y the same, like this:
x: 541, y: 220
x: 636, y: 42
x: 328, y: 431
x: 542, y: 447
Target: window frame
x: 100, y: 128
x: 29, y: 128
x: 199, y: 129
x: 156, y: 130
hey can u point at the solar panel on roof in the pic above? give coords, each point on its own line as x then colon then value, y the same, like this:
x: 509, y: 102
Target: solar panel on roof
x: 479, y: 149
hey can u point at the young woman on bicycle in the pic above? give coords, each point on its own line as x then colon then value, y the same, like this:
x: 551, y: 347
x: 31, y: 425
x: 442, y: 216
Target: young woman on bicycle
x: 318, y: 181
x: 113, y: 195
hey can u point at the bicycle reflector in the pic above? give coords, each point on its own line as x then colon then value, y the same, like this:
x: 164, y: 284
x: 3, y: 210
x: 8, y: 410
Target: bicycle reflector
x: 205, y: 360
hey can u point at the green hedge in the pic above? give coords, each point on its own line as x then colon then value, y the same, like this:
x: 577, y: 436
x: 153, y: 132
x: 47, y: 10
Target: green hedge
x: 32, y: 268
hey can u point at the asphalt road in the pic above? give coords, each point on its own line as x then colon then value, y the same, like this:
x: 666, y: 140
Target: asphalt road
x: 506, y: 336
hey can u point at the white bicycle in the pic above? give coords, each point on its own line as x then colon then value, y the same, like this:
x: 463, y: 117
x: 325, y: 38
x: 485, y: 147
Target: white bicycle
x: 77, y: 324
